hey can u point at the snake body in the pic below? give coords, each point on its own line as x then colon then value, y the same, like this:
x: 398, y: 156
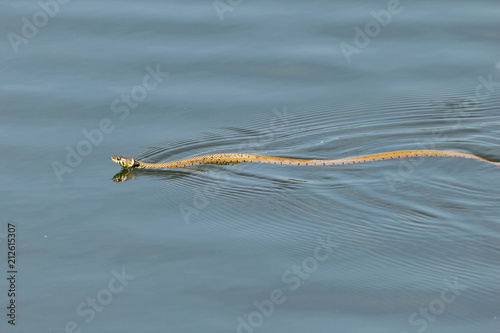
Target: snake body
x: 235, y: 158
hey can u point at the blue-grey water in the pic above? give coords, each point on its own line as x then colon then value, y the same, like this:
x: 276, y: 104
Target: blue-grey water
x: 393, y: 246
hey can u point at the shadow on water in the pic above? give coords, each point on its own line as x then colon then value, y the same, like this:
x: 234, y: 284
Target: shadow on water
x: 130, y: 174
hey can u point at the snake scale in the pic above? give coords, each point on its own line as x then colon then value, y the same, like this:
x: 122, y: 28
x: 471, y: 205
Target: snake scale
x: 234, y: 158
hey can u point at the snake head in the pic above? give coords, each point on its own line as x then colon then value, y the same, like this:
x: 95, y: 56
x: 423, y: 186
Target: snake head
x: 126, y: 162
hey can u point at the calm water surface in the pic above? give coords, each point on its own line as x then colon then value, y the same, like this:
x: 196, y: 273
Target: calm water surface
x: 394, y: 246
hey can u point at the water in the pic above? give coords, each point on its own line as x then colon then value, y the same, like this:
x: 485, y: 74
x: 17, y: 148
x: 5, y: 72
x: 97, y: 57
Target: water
x: 394, y: 246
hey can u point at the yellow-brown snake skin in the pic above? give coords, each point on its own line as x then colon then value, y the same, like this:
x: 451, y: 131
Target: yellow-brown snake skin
x: 234, y: 158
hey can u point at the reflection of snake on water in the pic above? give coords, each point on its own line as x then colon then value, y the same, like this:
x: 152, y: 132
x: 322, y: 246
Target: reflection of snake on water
x: 234, y: 158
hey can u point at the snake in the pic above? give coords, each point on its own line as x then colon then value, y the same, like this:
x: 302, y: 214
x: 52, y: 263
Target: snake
x: 235, y: 158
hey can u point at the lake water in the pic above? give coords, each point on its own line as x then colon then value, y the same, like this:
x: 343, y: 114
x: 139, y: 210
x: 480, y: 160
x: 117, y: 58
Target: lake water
x: 392, y: 246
